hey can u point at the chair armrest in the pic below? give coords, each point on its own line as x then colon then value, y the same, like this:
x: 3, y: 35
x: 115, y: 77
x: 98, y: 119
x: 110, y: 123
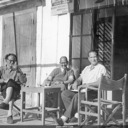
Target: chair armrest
x: 90, y: 86
x: 84, y: 86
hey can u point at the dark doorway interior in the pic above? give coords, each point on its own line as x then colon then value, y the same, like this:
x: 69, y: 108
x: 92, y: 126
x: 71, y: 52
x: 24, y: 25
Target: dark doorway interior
x: 121, y: 47
x: 121, y: 51
x: 114, y: 55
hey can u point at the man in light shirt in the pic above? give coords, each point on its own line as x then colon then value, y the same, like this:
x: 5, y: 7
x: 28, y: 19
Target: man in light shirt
x: 90, y: 74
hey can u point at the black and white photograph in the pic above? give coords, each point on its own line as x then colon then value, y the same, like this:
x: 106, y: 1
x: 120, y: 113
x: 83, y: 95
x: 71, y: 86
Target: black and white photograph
x: 63, y: 63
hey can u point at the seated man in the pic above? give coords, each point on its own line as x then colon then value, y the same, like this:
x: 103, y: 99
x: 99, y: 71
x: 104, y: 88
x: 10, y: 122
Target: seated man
x: 62, y: 76
x: 11, y: 78
x: 90, y: 74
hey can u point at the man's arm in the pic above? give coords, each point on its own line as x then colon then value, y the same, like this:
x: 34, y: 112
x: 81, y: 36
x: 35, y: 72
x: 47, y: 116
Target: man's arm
x: 77, y: 83
x: 70, y: 80
x: 48, y: 81
x: 49, y: 78
x: 1, y: 79
x: 20, y: 76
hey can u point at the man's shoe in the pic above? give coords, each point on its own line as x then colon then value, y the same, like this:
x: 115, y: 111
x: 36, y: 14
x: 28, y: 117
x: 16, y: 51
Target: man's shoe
x: 74, y: 120
x: 59, y: 121
x: 10, y: 120
x: 4, y: 106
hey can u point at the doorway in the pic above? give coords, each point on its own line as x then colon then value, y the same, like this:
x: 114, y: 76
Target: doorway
x: 121, y: 52
x: 111, y: 43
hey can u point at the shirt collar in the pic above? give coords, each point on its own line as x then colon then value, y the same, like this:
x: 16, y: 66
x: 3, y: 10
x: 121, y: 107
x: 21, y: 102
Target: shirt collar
x: 92, y: 66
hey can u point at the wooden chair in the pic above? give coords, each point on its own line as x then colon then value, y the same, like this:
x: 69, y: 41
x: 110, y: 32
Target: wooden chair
x: 40, y: 109
x: 101, y: 111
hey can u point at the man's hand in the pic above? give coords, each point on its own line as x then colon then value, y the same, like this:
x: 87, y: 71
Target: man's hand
x: 15, y: 65
x: 76, y: 83
x: 74, y: 86
x: 22, y: 78
x: 1, y: 80
x: 47, y: 83
x: 58, y: 82
x: 6, y: 81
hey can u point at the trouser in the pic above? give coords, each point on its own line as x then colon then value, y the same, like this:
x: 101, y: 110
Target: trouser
x: 62, y: 86
x: 11, y: 83
x: 70, y: 100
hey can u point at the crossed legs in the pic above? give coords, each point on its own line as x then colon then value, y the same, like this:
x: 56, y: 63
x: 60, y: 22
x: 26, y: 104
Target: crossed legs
x: 9, y: 92
x: 8, y: 100
x: 11, y: 103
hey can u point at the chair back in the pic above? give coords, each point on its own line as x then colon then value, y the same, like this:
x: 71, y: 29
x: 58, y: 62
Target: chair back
x: 99, y: 107
x: 111, y: 85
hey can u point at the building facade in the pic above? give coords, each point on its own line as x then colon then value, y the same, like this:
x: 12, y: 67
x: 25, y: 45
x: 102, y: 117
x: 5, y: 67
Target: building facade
x: 40, y: 34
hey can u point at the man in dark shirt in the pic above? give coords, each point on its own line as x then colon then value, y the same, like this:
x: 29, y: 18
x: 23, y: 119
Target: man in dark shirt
x: 62, y: 76
x: 11, y: 78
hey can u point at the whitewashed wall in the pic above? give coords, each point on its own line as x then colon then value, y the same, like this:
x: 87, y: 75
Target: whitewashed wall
x: 55, y: 39
x: 52, y: 41
x: 0, y: 40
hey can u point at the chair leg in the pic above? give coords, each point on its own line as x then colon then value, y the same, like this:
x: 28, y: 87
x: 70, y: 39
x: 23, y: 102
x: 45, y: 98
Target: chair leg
x: 58, y: 112
x: 43, y: 108
x: 99, y: 116
x: 124, y: 115
x: 38, y: 104
x: 21, y: 111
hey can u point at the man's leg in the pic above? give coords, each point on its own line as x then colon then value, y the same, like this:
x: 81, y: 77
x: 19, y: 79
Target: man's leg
x: 10, y: 112
x: 62, y: 86
x: 67, y: 96
x: 11, y: 103
x: 9, y: 92
x: 7, y: 97
x: 72, y: 108
x: 70, y: 111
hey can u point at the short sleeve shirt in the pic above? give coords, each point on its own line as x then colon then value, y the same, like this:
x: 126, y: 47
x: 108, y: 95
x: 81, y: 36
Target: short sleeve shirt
x: 89, y: 75
x: 58, y: 75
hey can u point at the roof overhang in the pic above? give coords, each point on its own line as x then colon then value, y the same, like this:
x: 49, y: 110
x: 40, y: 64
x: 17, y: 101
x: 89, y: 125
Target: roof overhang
x: 8, y: 6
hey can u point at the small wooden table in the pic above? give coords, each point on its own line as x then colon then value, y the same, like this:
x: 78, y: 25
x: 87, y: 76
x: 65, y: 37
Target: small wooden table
x: 44, y: 91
